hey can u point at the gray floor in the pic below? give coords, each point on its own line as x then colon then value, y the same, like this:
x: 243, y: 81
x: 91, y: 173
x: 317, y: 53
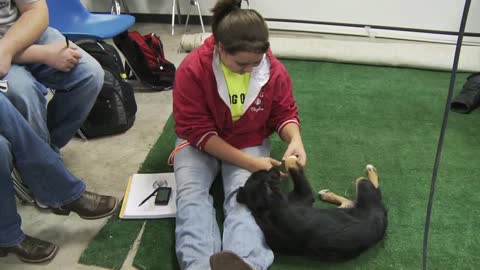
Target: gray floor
x: 105, y: 165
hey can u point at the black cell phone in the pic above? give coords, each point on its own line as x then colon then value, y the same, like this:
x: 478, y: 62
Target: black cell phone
x: 163, y: 195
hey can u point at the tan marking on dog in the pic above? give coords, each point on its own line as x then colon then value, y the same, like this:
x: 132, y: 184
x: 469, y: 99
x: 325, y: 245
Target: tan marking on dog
x: 329, y: 196
x: 372, y: 175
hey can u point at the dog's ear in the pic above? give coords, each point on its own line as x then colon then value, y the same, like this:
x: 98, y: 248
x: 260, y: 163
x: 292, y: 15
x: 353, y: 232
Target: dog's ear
x: 241, y: 196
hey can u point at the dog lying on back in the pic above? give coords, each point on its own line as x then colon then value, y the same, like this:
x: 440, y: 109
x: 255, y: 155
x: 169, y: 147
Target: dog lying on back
x: 292, y: 225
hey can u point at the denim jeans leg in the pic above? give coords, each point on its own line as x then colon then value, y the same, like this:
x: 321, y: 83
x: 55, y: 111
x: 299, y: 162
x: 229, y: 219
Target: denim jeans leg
x: 241, y: 233
x: 75, y: 91
x: 39, y: 166
x: 28, y: 96
x: 10, y: 222
x: 197, y: 234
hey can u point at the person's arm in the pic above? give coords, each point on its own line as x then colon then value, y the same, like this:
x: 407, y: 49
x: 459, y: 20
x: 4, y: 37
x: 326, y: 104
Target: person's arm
x: 17, y: 45
x: 284, y: 116
x: 222, y: 150
x: 291, y: 134
x: 55, y: 55
x: 31, y: 23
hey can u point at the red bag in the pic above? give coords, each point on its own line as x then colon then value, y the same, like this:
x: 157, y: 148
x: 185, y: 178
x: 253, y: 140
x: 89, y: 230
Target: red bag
x: 145, y: 59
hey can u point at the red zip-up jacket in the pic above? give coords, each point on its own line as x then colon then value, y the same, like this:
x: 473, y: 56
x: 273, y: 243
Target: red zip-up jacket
x: 201, y: 106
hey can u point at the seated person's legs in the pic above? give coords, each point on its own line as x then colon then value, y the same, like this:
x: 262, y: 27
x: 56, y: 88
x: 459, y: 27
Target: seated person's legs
x: 12, y: 239
x: 241, y: 234
x: 28, y: 96
x: 197, y: 235
x: 10, y: 232
x: 42, y: 169
x: 75, y: 91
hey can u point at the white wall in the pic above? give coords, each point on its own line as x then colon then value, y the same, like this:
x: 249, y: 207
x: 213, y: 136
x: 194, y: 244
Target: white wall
x: 437, y: 15
x: 423, y: 14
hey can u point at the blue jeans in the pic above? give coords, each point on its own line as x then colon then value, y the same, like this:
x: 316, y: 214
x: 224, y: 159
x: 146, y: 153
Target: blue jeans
x: 197, y: 233
x: 39, y: 166
x: 75, y: 93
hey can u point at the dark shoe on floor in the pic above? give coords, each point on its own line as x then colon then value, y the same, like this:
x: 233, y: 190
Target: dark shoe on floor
x: 227, y: 260
x: 469, y: 97
x: 89, y: 206
x: 32, y: 250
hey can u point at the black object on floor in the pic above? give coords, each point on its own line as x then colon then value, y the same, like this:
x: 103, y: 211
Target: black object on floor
x: 469, y: 97
x: 115, y: 108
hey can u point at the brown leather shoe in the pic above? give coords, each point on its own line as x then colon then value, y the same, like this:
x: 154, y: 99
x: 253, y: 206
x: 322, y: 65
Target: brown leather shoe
x: 227, y: 260
x: 32, y: 250
x: 89, y: 206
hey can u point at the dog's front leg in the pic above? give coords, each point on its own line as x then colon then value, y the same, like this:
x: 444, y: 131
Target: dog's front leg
x: 302, y: 191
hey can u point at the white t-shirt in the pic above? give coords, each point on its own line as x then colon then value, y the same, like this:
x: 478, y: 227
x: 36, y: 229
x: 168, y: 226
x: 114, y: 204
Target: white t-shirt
x: 9, y: 13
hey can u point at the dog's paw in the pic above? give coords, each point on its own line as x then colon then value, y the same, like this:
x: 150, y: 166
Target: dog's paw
x: 371, y: 168
x: 324, y: 194
x: 347, y: 204
x: 324, y: 191
x: 291, y: 163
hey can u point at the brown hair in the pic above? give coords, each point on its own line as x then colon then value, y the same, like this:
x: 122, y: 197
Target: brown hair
x: 239, y: 30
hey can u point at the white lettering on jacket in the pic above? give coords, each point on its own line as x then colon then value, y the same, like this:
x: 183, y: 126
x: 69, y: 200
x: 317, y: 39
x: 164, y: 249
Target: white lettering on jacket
x: 256, y: 109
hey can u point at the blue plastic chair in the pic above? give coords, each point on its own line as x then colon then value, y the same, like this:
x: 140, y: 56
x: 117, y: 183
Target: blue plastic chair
x: 72, y: 19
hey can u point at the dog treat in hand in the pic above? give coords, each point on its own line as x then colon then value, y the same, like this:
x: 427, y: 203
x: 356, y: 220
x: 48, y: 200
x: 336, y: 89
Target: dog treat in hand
x: 291, y: 163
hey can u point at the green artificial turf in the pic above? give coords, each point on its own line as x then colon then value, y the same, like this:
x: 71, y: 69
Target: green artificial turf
x: 353, y: 115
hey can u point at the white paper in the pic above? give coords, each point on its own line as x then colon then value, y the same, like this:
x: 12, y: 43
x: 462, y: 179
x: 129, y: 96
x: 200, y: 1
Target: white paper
x: 141, y: 186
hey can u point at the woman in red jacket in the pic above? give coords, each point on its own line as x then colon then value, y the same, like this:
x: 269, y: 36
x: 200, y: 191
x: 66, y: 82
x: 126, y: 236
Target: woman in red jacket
x: 229, y: 96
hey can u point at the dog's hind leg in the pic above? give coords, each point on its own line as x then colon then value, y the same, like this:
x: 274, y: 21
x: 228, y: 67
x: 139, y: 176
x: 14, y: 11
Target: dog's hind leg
x: 372, y: 175
x: 328, y: 196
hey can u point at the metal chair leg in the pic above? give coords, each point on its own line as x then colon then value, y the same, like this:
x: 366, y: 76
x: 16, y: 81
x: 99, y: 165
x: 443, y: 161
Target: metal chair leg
x: 82, y: 135
x: 115, y: 7
x: 125, y: 7
x: 194, y: 3
x: 200, y: 15
x: 188, y: 16
x: 173, y: 17
x: 179, y: 13
x: 21, y: 191
x: 177, y: 5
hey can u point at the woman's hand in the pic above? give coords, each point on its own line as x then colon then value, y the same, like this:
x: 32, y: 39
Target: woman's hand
x: 61, y: 57
x: 263, y: 163
x: 295, y: 148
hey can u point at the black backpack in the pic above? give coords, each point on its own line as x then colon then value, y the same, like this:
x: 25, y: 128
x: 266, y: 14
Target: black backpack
x: 115, y: 108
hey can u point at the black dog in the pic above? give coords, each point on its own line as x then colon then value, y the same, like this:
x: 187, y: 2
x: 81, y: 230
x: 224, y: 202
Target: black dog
x: 292, y: 225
